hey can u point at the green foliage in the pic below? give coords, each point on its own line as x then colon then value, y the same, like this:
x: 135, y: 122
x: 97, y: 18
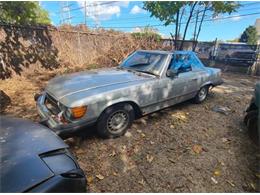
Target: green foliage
x: 249, y: 36
x: 165, y: 11
x: 221, y: 7
x: 169, y: 12
x: 23, y: 12
x: 233, y: 40
x: 147, y: 33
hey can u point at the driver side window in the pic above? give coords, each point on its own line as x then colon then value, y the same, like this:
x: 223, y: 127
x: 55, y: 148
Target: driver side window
x: 181, y: 62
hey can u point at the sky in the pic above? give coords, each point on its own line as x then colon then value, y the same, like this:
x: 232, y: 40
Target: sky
x: 128, y: 16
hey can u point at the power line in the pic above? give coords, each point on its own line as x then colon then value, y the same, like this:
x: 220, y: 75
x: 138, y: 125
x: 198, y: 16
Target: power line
x: 115, y: 21
x: 92, y: 5
x: 65, y: 16
x: 249, y: 9
x: 207, y: 20
x: 253, y: 3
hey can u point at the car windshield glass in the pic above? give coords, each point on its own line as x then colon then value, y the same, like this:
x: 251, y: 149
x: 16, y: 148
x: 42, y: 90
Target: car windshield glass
x: 146, y: 62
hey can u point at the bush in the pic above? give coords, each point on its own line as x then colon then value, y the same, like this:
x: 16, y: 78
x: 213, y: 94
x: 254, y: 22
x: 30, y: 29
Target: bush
x: 147, y: 35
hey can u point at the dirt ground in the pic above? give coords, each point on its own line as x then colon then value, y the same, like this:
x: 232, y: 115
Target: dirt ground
x: 185, y: 148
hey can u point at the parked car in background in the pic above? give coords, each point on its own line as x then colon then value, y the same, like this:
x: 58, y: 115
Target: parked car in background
x: 252, y: 117
x: 239, y: 53
x: 34, y: 159
x: 145, y: 82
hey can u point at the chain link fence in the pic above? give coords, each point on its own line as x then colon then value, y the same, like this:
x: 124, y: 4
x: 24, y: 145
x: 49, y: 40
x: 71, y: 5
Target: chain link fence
x: 46, y: 47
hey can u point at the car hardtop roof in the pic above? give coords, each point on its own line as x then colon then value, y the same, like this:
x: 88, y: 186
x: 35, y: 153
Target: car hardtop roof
x: 168, y: 52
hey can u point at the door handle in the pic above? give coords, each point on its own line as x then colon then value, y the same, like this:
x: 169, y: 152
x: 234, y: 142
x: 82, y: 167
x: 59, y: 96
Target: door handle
x: 194, y: 79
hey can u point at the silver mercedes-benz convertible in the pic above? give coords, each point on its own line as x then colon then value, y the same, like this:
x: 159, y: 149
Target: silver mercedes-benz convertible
x: 145, y: 82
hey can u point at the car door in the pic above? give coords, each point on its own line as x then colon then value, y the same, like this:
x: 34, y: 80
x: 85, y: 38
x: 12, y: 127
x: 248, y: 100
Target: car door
x: 184, y: 85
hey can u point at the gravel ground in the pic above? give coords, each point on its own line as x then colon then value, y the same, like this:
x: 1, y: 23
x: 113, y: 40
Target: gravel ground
x: 185, y: 148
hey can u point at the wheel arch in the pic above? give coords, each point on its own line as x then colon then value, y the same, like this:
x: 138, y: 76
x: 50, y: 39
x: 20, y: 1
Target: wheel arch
x: 136, y: 107
x: 209, y: 84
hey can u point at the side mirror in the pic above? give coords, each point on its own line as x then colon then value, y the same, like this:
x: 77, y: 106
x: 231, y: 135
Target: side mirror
x: 172, y: 73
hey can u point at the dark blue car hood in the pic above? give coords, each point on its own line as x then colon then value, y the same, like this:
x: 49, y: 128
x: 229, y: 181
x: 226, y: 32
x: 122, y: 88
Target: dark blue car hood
x: 21, y: 143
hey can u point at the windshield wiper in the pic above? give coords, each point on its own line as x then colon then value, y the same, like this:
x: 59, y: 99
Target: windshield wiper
x: 136, y: 70
x: 139, y: 64
x: 147, y: 72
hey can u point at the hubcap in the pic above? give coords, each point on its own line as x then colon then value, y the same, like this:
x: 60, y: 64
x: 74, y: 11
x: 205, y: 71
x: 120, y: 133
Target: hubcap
x: 117, y: 121
x: 202, y: 94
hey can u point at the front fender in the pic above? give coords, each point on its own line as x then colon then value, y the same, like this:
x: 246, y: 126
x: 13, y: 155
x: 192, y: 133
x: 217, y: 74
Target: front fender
x: 117, y: 101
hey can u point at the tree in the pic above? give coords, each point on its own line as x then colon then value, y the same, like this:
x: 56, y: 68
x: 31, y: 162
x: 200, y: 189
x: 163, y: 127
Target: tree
x: 166, y: 11
x: 23, y: 12
x: 233, y: 40
x: 172, y: 12
x: 249, y: 36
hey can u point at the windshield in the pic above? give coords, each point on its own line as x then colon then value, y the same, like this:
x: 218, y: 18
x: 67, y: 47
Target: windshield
x: 147, y: 62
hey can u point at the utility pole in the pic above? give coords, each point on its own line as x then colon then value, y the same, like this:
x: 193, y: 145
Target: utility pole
x: 61, y: 13
x: 65, y: 16
x: 96, y: 12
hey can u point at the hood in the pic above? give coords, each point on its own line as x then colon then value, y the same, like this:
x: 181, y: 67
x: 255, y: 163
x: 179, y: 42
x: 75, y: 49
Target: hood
x: 21, y: 143
x: 62, y: 86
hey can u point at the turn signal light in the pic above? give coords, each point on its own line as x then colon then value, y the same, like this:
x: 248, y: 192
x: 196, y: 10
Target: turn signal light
x: 78, y: 112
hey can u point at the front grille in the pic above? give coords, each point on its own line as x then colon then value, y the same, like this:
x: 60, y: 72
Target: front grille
x: 52, y: 104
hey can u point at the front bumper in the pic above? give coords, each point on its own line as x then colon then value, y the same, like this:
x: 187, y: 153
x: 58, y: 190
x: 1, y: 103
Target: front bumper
x: 61, y: 129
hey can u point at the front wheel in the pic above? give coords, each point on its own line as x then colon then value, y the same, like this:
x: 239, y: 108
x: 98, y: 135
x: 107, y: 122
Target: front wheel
x: 202, y: 94
x: 115, y: 120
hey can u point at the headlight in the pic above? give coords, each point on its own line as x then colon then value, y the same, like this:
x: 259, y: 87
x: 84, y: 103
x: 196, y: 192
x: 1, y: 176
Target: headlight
x: 76, y: 112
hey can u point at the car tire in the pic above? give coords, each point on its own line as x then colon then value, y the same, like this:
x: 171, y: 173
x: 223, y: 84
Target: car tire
x: 115, y: 120
x: 201, y: 95
x: 251, y: 123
